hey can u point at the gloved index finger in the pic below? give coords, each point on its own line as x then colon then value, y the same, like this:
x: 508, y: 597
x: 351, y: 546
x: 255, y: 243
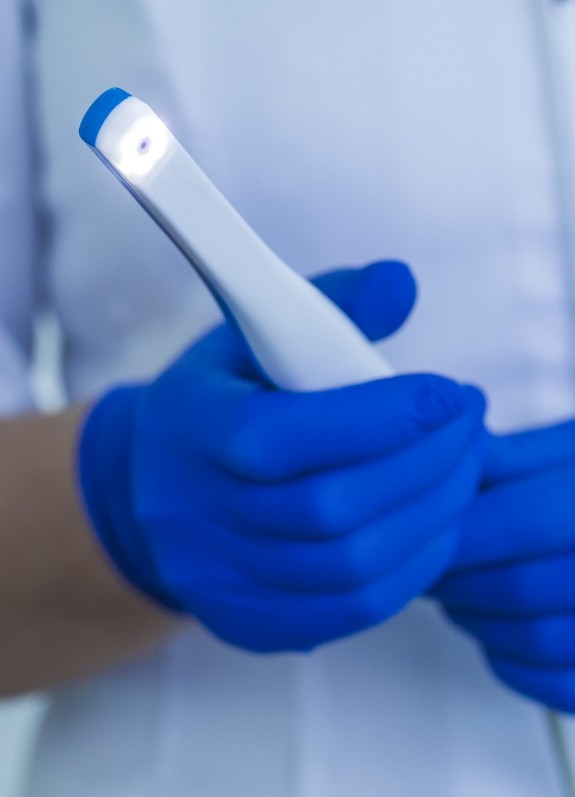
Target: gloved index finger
x: 283, y: 435
x: 518, y: 455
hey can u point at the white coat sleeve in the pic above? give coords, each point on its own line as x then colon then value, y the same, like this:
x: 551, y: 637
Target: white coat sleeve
x: 17, y: 215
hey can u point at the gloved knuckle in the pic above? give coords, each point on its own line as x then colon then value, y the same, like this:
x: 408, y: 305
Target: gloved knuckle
x: 365, y: 610
x: 542, y: 642
x: 325, y: 508
x: 250, y: 448
x: 353, y: 563
x: 517, y: 588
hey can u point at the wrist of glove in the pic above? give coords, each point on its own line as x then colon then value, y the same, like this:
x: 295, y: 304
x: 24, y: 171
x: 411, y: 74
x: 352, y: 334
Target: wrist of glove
x: 283, y: 520
x: 105, y: 454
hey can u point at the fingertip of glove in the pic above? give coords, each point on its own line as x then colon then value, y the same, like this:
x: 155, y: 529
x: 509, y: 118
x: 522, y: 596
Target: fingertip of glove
x: 378, y: 297
x: 440, y: 400
x: 394, y: 282
x: 398, y: 274
x: 475, y: 399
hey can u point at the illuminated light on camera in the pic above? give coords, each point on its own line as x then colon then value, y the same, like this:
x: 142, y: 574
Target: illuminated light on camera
x: 142, y: 147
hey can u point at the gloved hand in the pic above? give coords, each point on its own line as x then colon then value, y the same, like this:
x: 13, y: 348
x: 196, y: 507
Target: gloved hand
x: 512, y: 585
x: 284, y: 520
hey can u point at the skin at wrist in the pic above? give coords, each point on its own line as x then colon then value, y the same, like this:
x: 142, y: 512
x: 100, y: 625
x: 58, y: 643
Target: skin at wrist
x: 64, y: 611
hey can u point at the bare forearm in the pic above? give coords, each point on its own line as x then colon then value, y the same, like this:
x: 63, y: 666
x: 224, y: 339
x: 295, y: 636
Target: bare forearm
x: 63, y: 610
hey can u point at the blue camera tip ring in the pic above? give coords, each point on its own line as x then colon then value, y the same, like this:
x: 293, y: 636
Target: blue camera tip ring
x: 98, y: 112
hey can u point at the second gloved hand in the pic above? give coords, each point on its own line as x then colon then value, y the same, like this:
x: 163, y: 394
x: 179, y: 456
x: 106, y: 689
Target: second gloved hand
x: 513, y: 582
x: 284, y: 520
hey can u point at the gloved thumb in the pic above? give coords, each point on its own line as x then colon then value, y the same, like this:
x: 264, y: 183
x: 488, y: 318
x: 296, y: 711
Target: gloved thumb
x: 378, y: 298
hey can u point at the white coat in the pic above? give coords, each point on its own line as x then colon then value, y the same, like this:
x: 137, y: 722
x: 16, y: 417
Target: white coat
x: 440, y: 133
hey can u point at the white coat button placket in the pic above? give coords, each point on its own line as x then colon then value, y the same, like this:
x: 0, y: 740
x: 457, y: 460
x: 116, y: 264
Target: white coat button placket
x: 555, y: 26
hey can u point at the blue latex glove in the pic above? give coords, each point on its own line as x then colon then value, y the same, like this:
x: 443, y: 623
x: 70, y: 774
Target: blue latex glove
x: 284, y: 520
x: 513, y: 583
